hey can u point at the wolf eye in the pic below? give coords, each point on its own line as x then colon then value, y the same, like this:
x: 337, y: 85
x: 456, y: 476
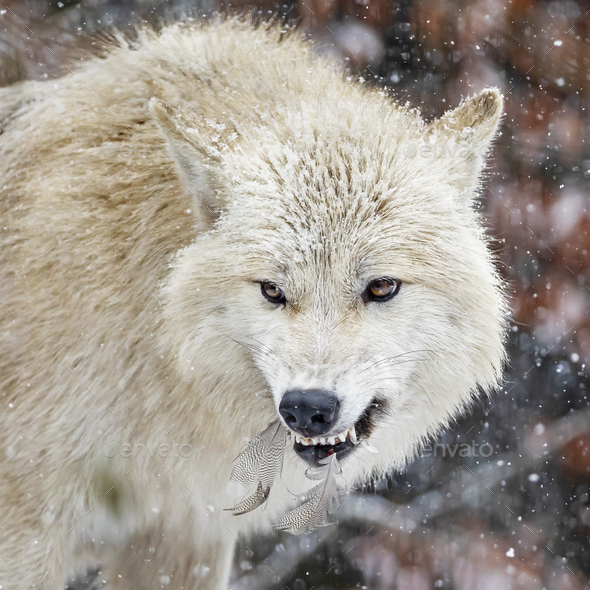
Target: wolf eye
x: 381, y: 290
x: 272, y: 293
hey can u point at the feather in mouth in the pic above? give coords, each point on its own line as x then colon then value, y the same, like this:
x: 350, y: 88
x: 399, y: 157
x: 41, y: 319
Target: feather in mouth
x: 260, y: 463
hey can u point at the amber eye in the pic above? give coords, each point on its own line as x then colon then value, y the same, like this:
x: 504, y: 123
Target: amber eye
x: 272, y: 293
x: 382, y: 289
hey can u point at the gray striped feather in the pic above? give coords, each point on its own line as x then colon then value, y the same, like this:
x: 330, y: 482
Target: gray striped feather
x: 318, y: 504
x: 259, y: 463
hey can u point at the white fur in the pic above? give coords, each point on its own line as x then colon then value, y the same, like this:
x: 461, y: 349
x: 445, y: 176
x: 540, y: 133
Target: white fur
x: 133, y: 314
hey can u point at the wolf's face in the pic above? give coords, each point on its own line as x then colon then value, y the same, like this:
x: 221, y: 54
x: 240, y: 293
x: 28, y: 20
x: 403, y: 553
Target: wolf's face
x: 360, y: 282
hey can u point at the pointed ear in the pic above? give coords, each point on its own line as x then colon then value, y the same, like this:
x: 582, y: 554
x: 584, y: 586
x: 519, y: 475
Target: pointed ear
x: 196, y: 165
x: 467, y: 132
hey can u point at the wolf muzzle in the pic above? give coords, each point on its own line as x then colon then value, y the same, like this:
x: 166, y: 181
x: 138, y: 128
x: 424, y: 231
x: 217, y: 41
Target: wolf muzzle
x: 309, y: 412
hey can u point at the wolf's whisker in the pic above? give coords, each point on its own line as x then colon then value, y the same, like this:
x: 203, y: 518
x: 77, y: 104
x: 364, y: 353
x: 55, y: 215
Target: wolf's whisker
x: 400, y: 355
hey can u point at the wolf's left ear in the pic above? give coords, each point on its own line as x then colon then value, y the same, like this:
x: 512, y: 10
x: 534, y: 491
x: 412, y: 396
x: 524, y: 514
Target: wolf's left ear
x: 465, y: 135
x: 196, y: 165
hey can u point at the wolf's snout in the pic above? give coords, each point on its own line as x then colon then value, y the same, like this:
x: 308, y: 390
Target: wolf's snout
x: 310, y: 412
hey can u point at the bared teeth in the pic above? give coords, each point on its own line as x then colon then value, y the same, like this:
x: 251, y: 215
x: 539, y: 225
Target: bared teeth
x: 330, y: 440
x: 302, y: 440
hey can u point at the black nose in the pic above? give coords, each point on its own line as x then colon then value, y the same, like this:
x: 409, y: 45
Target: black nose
x: 310, y: 412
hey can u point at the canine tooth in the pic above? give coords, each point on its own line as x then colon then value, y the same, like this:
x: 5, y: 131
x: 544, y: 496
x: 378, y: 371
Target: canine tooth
x: 352, y: 432
x: 341, y: 437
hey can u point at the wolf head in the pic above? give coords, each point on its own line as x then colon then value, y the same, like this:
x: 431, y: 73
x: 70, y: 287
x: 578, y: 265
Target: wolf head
x: 341, y: 254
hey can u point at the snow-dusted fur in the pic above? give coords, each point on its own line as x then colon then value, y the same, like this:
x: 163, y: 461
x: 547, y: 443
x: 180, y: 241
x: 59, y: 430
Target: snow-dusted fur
x: 144, y: 195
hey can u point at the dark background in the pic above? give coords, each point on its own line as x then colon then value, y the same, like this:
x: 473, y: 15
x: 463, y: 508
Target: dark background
x: 511, y: 508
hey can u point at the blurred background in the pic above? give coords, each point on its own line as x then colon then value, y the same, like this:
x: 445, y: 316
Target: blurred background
x: 502, y: 500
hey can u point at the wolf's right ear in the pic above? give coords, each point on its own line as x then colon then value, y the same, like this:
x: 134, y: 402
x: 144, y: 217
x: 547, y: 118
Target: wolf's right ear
x: 197, y: 167
x: 480, y: 114
x: 467, y: 132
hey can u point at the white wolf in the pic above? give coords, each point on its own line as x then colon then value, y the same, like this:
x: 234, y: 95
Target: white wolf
x: 205, y: 231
